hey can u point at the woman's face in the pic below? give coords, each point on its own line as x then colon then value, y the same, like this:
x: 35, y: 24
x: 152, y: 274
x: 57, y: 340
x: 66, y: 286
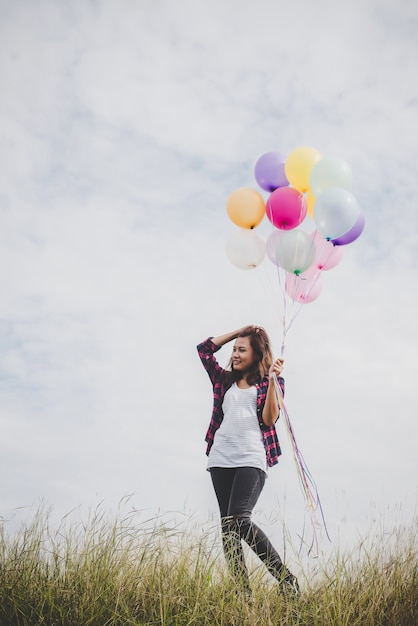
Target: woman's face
x: 242, y: 354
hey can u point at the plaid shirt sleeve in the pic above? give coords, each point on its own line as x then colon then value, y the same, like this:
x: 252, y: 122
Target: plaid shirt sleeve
x: 206, y: 351
x: 220, y: 382
x: 270, y: 439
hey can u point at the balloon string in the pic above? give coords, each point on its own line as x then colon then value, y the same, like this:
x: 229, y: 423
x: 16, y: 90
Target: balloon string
x: 282, y: 288
x: 309, y: 488
x: 300, y: 304
x: 270, y: 289
x: 288, y: 317
x: 288, y: 320
x: 308, y: 291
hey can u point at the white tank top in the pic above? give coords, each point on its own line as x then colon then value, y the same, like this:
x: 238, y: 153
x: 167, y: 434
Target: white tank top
x: 238, y: 441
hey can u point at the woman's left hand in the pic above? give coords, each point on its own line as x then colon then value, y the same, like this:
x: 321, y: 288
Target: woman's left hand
x: 276, y: 368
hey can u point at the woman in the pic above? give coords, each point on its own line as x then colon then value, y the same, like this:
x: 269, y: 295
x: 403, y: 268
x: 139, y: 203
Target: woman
x: 242, y: 443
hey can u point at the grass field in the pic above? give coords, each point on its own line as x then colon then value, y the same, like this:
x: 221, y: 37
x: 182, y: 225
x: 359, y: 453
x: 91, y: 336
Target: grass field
x: 121, y: 573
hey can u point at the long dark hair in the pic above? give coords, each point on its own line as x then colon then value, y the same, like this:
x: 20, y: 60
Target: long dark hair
x: 263, y: 356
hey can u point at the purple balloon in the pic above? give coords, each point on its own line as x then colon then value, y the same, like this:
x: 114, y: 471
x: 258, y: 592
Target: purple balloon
x: 269, y: 171
x: 354, y: 232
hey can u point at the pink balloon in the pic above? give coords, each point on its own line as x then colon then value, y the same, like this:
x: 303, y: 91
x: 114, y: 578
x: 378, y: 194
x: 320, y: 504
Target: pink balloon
x: 328, y: 255
x: 286, y: 208
x: 304, y: 288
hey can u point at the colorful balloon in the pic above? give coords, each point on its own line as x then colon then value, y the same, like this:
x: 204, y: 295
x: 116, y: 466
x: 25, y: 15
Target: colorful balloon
x: 298, y: 166
x: 310, y: 203
x: 271, y: 243
x: 304, y: 288
x: 245, y: 249
x: 286, y: 208
x: 328, y: 255
x: 330, y: 172
x: 295, y: 251
x: 269, y: 171
x: 246, y: 207
x: 336, y: 212
x: 354, y: 232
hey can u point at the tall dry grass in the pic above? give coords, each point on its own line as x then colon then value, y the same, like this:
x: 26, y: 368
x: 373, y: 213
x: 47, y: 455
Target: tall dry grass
x: 121, y: 573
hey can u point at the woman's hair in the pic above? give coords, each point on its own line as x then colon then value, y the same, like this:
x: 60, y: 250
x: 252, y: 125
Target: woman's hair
x: 263, y: 357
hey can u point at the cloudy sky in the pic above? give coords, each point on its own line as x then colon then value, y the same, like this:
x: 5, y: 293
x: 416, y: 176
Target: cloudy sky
x: 125, y: 125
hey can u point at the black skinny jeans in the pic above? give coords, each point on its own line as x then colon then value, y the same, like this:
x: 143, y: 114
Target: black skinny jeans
x: 237, y: 490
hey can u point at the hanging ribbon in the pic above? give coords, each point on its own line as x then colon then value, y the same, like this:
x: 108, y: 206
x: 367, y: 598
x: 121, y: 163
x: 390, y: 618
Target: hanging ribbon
x: 309, y: 488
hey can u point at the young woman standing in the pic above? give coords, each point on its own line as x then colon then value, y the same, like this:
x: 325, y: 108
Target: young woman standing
x: 242, y: 443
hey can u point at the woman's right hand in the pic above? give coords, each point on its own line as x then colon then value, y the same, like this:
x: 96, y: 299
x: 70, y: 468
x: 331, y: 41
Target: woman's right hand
x: 276, y: 368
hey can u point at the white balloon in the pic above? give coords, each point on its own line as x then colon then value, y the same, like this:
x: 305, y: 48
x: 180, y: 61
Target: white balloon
x: 336, y: 211
x: 245, y: 249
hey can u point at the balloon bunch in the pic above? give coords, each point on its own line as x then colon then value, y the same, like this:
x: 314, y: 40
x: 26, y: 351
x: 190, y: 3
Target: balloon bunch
x: 302, y: 187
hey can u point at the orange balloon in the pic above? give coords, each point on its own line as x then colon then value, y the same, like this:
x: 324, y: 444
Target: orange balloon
x: 246, y: 207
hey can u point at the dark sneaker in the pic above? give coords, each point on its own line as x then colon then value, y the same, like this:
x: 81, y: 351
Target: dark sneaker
x: 247, y: 594
x: 289, y: 585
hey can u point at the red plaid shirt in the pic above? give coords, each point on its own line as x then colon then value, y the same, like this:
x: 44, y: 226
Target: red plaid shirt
x: 221, y: 381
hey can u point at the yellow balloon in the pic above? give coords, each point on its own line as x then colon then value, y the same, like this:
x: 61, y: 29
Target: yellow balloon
x: 298, y: 166
x: 246, y: 207
x: 310, y: 203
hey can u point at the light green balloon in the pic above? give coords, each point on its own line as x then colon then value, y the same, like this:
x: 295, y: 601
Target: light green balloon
x: 330, y: 172
x: 295, y: 251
